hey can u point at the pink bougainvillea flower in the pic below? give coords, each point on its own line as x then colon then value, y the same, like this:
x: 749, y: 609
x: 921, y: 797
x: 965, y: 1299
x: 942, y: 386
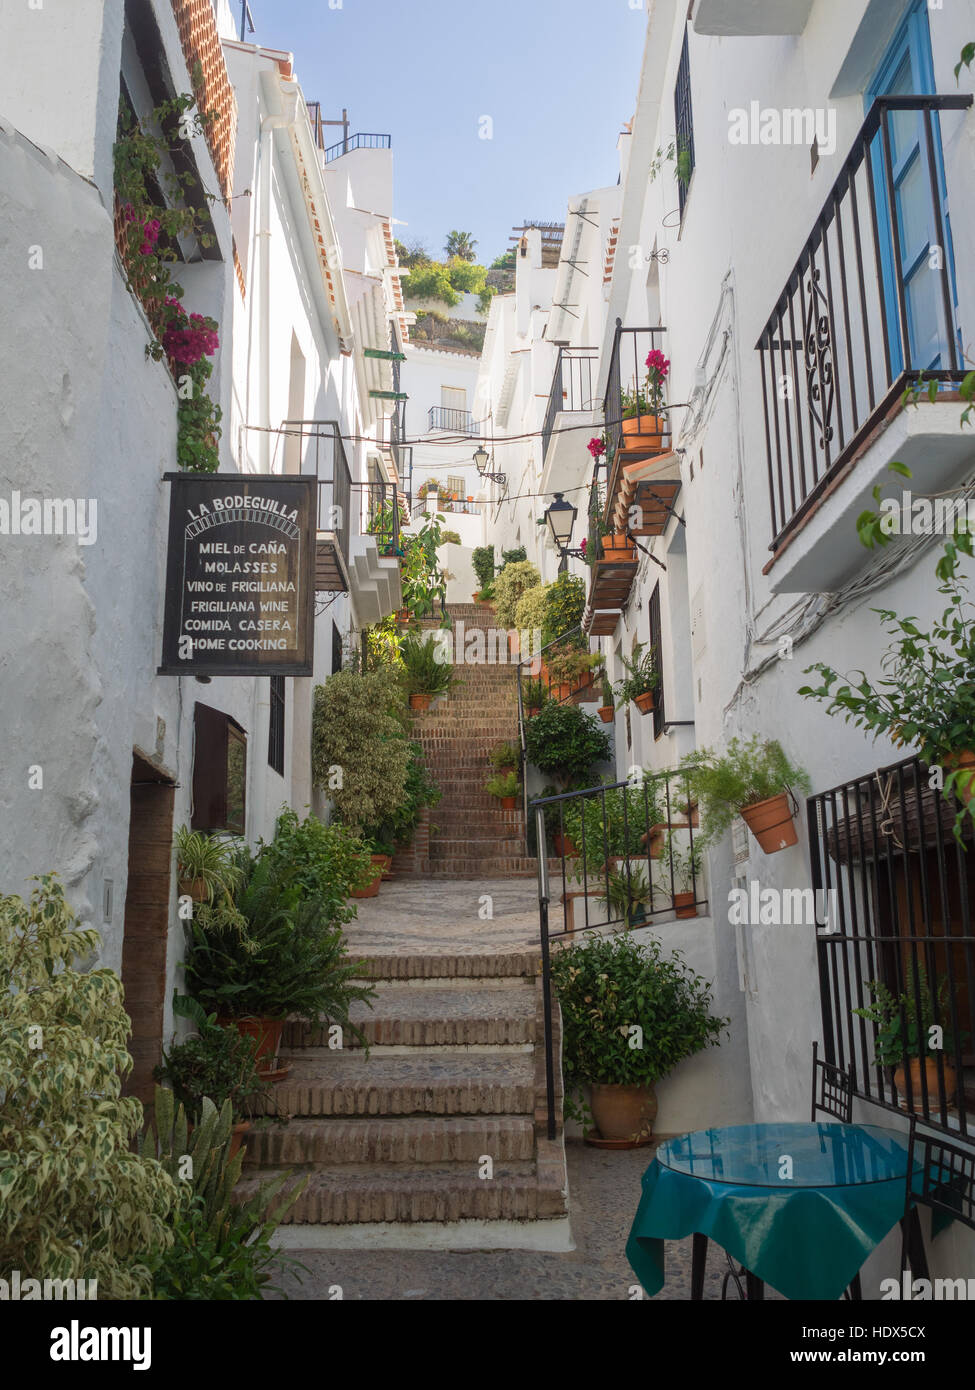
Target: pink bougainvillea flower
x: 596, y: 447
x: 658, y: 364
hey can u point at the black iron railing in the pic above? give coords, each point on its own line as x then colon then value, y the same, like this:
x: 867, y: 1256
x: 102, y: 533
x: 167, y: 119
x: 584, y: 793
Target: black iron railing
x: 319, y: 449
x: 845, y: 337
x: 441, y: 417
x: 895, y: 892
x: 625, y: 854
x: 381, y: 514
x: 573, y: 387
x: 628, y: 407
x: 358, y: 142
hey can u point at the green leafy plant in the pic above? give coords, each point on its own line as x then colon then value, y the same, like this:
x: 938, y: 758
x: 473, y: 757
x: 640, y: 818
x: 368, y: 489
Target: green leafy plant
x: 627, y: 893
x: 482, y: 560
x: 360, y: 751
x: 532, y: 609
x: 609, y: 824
x: 904, y: 1030
x: 504, y: 756
x: 75, y: 1201
x: 513, y: 581
x: 683, y: 859
x: 322, y: 862
x: 564, y: 742
x: 608, y: 700
x: 420, y: 792
x: 208, y: 858
x: 642, y: 675
x: 747, y: 772
x: 611, y: 984
x: 518, y: 556
x: 426, y: 673
x: 503, y: 784
x: 424, y: 582
x: 217, y: 1064
x: 565, y: 603
x: 535, y: 694
x: 568, y: 664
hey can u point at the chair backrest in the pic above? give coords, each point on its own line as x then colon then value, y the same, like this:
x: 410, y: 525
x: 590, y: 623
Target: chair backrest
x: 946, y: 1177
x: 832, y: 1089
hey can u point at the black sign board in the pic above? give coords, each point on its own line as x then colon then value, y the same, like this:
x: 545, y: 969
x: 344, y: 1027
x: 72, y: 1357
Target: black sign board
x: 240, y: 577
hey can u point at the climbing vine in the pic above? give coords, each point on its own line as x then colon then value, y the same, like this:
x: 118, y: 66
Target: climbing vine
x: 153, y: 199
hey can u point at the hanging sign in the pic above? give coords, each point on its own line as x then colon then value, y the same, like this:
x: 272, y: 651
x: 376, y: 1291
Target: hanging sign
x: 240, y: 575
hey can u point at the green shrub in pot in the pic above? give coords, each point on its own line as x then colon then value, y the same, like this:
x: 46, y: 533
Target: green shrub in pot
x: 217, y: 1064
x: 564, y: 742
x: 482, y: 562
x: 609, y: 987
x: 751, y: 774
x: 514, y: 580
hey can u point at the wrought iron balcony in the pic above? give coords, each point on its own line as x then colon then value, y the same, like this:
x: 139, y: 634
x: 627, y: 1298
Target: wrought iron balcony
x: 357, y: 142
x: 628, y: 413
x: 867, y: 308
x: 456, y: 421
x: 573, y: 387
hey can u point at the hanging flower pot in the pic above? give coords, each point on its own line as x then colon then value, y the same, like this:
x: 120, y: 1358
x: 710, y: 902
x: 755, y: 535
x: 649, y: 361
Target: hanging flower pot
x: 685, y: 905
x: 644, y: 702
x: 607, y: 713
x: 618, y: 546
x: 195, y: 888
x: 771, y: 822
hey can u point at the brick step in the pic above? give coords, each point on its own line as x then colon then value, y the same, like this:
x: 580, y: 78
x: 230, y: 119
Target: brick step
x: 379, y: 1193
x: 401, y: 1139
x: 468, y: 846
x: 323, y: 1083
x: 454, y: 818
x: 466, y: 966
x: 492, y: 1012
x: 480, y: 868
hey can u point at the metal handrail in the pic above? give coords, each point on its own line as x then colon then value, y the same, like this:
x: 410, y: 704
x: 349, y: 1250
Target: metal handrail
x: 363, y: 141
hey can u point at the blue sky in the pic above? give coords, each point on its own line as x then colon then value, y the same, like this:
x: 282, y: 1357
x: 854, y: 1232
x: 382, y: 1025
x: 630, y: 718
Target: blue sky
x: 557, y: 77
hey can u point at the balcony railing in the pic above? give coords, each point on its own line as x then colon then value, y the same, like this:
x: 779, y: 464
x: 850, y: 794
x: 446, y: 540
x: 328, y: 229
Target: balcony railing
x: 626, y: 395
x: 357, y: 142
x: 896, y: 892
x: 456, y: 421
x: 316, y: 447
x: 573, y: 387
x: 867, y: 308
x: 382, y: 514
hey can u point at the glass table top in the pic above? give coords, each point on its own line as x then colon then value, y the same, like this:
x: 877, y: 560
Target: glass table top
x: 789, y: 1155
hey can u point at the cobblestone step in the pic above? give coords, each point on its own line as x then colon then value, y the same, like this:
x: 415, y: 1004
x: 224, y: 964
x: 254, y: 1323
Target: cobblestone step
x: 467, y: 966
x: 400, y: 1139
x: 381, y: 1193
x: 490, y: 1013
x: 323, y: 1083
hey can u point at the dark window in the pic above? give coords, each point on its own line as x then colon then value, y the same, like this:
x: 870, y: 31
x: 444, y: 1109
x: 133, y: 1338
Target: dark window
x: 656, y: 644
x: 219, y: 771
x: 684, y: 117
x: 336, y: 648
x: 898, y: 911
x: 275, y: 738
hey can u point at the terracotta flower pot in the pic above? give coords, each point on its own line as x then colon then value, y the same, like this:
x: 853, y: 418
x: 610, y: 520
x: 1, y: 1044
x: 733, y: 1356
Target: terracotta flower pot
x: 653, y: 839
x: 607, y: 713
x: 646, y: 430
x: 532, y: 710
x: 508, y: 803
x: 618, y: 546
x: 685, y: 905
x: 933, y: 1084
x: 562, y: 845
x: 644, y: 702
x: 266, y: 1033
x: 771, y: 823
x: 237, y: 1136
x: 965, y: 786
x: 195, y: 888
x: 381, y: 863
x: 623, y: 1112
x: 420, y: 701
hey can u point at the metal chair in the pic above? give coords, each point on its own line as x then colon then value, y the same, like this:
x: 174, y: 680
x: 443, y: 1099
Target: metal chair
x: 832, y: 1089
x: 946, y: 1184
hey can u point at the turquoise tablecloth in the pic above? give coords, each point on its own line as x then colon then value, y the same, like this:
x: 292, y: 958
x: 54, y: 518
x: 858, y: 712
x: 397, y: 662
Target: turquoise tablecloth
x: 806, y: 1234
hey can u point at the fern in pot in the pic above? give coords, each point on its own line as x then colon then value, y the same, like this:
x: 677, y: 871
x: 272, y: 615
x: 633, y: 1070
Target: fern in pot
x: 753, y: 778
x: 630, y: 1015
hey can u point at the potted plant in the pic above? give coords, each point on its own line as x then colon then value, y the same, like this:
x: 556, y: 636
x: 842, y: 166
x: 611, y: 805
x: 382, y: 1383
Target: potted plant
x: 570, y: 670
x: 893, y: 1045
x: 504, y: 785
x: 504, y: 757
x: 608, y: 826
x: 564, y: 742
x: 627, y: 894
x: 427, y: 673
x: 681, y: 866
x: 642, y: 407
x: 606, y: 988
x: 534, y: 697
x: 218, y: 1064
x: 641, y: 680
x: 607, y: 710
x: 514, y: 580
x: 752, y: 779
x: 205, y: 865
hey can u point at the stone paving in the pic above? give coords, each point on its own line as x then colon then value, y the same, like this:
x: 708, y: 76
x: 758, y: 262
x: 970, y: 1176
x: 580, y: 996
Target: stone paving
x: 440, y: 917
x: 604, y: 1191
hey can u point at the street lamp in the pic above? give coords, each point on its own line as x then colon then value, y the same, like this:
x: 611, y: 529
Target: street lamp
x: 482, y: 460
x: 561, y: 518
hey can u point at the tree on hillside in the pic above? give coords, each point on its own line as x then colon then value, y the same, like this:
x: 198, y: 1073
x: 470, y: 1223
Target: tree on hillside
x: 460, y: 244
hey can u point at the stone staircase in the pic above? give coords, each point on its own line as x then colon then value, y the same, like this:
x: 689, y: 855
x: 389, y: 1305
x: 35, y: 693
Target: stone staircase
x: 471, y: 835
x: 444, y: 1121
